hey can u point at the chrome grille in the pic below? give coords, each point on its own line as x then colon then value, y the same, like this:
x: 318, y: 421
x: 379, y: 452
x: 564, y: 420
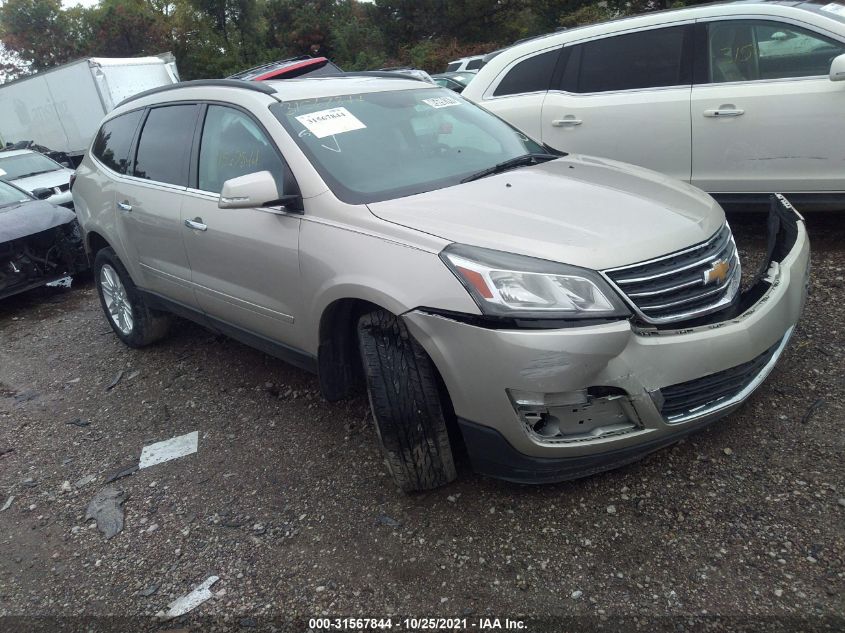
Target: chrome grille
x: 682, y: 285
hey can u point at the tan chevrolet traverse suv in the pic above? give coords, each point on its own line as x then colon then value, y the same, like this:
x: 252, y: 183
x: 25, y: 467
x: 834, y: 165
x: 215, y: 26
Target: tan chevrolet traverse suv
x: 557, y: 314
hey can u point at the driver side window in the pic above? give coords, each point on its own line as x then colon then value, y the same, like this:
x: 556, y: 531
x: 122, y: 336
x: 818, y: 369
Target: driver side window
x: 747, y: 50
x: 233, y: 145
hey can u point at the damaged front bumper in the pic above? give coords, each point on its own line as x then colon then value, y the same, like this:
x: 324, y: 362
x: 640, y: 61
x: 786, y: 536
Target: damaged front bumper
x: 549, y: 405
x: 40, y: 258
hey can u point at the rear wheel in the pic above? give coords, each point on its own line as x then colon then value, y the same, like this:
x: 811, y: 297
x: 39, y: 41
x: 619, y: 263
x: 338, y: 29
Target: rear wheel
x: 134, y: 322
x: 405, y: 399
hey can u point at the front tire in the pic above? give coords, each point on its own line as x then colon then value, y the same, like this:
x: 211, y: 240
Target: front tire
x: 405, y: 399
x: 134, y: 322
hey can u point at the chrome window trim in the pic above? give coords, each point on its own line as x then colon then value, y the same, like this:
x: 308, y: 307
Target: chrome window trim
x: 155, y: 184
x: 616, y: 92
x: 632, y: 30
x: 755, y: 82
x: 767, y: 17
x: 134, y: 180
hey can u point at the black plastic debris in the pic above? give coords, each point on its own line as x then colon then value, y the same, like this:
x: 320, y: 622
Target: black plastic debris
x: 125, y: 471
x: 388, y: 521
x: 26, y: 396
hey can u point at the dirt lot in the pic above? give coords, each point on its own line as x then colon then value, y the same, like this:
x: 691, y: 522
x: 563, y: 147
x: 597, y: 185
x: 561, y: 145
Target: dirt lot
x: 287, y: 501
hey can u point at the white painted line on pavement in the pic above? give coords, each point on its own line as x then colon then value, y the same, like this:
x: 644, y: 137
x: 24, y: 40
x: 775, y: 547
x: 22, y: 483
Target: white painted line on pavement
x: 169, y: 449
x: 188, y: 602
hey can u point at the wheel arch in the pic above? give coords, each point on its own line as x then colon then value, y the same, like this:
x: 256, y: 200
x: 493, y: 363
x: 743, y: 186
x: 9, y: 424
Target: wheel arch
x: 338, y: 358
x: 339, y: 365
x: 94, y: 243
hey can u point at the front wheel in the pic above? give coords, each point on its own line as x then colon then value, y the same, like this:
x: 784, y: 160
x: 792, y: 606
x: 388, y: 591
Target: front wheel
x: 405, y: 399
x: 134, y: 322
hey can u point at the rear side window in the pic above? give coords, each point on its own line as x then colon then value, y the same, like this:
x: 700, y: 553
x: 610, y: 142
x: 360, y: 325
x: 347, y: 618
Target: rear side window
x: 111, y: 147
x: 233, y: 145
x: 453, y: 67
x: 648, y: 59
x: 165, y: 144
x: 531, y: 75
x: 474, y: 64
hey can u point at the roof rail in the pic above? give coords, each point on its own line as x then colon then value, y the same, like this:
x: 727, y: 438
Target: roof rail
x: 384, y: 74
x: 255, y: 86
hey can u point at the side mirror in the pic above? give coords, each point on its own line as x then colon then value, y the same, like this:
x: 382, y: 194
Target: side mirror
x: 254, y: 190
x: 42, y: 193
x: 837, y: 69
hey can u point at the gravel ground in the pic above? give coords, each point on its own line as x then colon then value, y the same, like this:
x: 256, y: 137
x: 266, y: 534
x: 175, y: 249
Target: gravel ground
x: 288, y: 502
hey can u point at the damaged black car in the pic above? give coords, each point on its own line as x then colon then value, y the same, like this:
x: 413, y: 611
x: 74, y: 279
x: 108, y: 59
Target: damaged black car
x: 39, y: 242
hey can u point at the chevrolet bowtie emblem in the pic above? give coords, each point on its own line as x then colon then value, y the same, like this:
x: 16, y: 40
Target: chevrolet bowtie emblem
x: 717, y: 273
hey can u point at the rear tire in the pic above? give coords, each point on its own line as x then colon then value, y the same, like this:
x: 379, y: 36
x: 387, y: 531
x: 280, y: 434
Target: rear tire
x: 128, y: 314
x: 404, y: 396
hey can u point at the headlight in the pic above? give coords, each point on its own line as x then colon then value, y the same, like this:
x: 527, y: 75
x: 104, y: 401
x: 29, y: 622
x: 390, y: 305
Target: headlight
x: 504, y: 284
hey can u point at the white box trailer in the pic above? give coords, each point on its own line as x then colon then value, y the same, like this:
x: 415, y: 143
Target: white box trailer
x: 61, y: 108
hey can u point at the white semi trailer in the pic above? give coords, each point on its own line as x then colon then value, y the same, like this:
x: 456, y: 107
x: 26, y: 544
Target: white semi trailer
x: 61, y: 108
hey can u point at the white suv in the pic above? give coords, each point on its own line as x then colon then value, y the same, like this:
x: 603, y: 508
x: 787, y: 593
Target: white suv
x: 470, y: 64
x: 739, y: 99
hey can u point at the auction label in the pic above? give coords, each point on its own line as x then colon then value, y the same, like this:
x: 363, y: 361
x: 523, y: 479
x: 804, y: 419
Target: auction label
x: 416, y: 624
x: 330, y: 122
x: 441, y: 102
x: 834, y: 7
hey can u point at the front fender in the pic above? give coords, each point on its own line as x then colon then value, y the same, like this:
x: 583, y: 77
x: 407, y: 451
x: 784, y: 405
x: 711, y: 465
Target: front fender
x: 338, y: 262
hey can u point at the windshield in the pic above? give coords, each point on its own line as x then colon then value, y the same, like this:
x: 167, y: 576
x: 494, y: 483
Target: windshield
x: 24, y: 165
x: 383, y: 145
x: 11, y: 195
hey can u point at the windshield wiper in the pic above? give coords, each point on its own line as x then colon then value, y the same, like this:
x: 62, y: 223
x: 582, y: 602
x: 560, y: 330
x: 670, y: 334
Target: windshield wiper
x: 519, y: 161
x: 34, y: 173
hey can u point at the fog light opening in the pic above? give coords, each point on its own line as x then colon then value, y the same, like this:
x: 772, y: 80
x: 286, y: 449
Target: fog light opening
x: 575, y: 416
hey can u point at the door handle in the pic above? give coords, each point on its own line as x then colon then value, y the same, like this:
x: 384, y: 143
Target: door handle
x: 724, y: 111
x: 124, y: 206
x: 196, y: 224
x: 567, y: 121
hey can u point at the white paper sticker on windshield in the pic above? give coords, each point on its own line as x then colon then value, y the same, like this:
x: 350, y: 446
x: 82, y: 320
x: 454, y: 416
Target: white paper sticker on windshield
x: 834, y: 7
x: 2, y: 172
x: 442, y: 102
x: 330, y: 122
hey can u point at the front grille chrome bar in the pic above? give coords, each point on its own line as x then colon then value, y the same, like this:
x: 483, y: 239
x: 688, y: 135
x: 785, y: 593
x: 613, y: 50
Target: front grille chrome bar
x: 682, y: 285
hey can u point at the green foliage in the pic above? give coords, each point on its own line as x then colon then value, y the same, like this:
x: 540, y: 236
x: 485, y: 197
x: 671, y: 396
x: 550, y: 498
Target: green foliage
x: 588, y: 14
x: 215, y: 38
x: 125, y: 28
x: 39, y: 31
x: 11, y: 67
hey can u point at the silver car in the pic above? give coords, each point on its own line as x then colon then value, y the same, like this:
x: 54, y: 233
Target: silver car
x: 37, y: 174
x: 558, y: 315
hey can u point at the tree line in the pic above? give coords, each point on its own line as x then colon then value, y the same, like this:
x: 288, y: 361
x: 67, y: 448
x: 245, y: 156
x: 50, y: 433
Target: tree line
x: 215, y: 38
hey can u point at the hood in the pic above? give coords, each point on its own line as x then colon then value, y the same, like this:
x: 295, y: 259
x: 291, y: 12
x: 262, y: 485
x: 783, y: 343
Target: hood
x: 47, y: 180
x: 577, y: 210
x: 28, y: 218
